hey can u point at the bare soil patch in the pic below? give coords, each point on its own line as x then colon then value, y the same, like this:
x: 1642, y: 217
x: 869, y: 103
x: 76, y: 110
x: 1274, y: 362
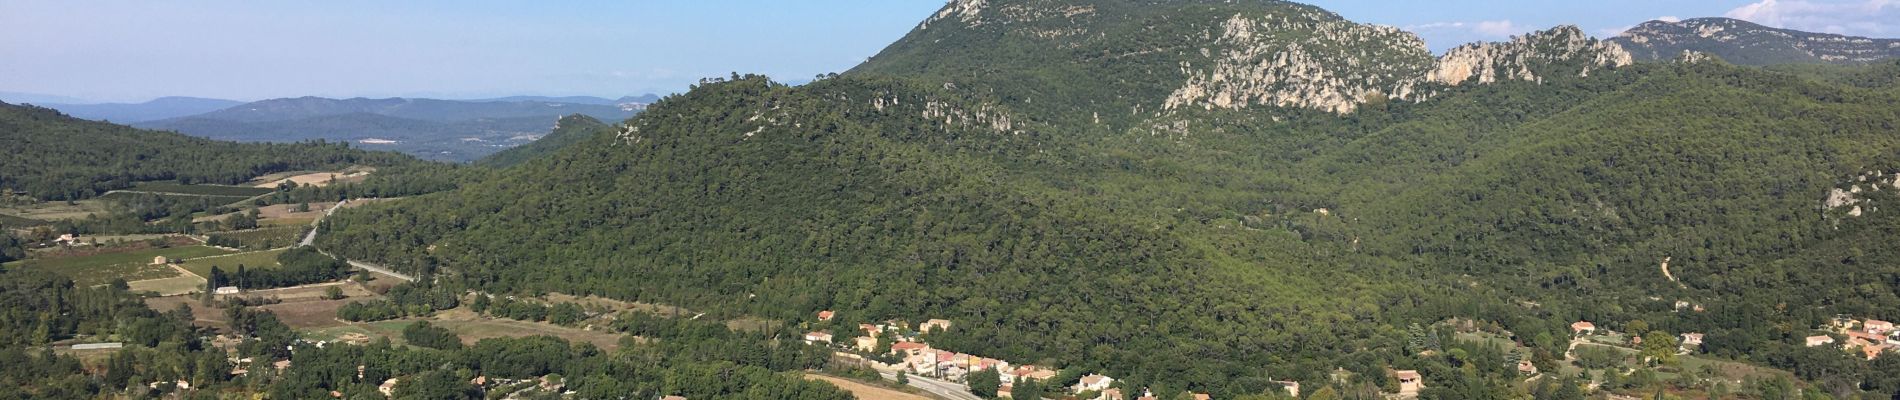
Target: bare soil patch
x: 865, y: 391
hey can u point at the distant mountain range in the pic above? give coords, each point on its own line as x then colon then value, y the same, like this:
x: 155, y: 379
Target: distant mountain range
x: 445, y: 130
x: 1746, y: 43
x: 157, y: 109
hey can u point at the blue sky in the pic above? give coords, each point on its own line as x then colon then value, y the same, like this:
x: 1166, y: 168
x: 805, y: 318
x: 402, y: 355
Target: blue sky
x: 132, y: 50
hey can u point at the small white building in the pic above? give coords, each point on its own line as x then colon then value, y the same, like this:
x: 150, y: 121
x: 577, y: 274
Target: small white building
x: 1820, y: 340
x: 225, y: 290
x: 818, y: 337
x: 1093, y: 382
x: 98, y: 346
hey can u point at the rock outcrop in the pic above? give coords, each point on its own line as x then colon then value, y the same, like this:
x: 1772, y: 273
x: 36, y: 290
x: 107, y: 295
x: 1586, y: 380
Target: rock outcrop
x: 1565, y: 49
x: 1746, y: 43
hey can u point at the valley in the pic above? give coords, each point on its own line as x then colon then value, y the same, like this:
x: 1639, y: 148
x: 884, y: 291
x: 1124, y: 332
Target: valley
x: 1033, y: 199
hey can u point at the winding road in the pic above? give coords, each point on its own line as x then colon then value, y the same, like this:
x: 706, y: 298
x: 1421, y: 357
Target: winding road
x: 310, y: 239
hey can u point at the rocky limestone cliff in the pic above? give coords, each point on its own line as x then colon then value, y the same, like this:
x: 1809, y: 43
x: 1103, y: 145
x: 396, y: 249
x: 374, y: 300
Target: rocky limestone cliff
x: 1520, y: 58
x: 1334, y: 66
x: 1127, y: 60
x: 1747, y: 43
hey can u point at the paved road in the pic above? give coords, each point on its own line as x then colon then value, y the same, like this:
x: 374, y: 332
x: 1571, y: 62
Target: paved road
x: 941, y: 388
x: 310, y: 238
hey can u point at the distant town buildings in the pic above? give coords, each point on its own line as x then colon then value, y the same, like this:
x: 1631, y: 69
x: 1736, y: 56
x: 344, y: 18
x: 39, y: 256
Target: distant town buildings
x: 1410, y: 382
x: 1583, y: 328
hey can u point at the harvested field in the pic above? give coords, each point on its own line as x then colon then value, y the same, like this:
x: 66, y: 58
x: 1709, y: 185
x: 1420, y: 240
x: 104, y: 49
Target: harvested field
x: 315, y: 178
x: 177, y: 285
x: 864, y: 391
x: 310, y: 314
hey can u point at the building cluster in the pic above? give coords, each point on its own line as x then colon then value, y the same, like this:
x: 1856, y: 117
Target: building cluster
x: 1871, y: 338
x: 1687, y: 342
x: 919, y: 358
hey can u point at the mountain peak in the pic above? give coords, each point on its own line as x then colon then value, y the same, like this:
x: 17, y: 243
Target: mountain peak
x: 1748, y: 43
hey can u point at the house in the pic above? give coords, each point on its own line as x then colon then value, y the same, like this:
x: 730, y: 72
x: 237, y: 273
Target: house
x: 673, y: 398
x: 1202, y: 396
x: 865, y: 344
x: 909, y: 348
x: 937, y: 324
x: 67, y: 239
x: 1111, y: 394
x: 1526, y: 367
x: 388, y: 388
x: 225, y: 290
x: 1034, y: 373
x: 98, y: 346
x: 280, y: 365
x: 1691, y: 340
x: 1003, y: 392
x: 817, y: 337
x: 1873, y: 351
x: 160, y: 260
x: 826, y: 315
x: 1818, y: 340
x: 871, y: 330
x: 1093, y: 382
x: 1410, y: 382
x: 1292, y: 388
x: 1583, y: 328
x: 1877, y: 327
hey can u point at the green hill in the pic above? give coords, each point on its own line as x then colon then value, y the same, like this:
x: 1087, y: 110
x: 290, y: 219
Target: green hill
x: 1109, y: 186
x: 567, y: 131
x: 74, y: 158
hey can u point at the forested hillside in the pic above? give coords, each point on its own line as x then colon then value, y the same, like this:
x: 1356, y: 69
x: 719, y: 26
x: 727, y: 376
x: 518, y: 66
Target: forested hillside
x: 1056, y: 206
x: 567, y: 131
x: 1748, y: 43
x: 58, y: 157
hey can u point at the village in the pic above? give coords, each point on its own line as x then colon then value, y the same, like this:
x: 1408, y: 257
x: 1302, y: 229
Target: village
x: 913, y: 356
x: 1871, y: 338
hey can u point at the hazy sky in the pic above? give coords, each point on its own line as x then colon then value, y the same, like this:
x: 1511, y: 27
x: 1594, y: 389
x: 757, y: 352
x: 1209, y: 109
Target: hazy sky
x: 132, y: 50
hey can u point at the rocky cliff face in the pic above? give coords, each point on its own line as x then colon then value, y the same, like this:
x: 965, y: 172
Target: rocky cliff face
x: 1332, y: 65
x: 1746, y: 43
x: 1565, y: 50
x: 1129, y: 59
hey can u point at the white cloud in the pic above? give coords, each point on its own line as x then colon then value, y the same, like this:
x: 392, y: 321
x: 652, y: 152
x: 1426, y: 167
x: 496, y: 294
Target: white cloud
x: 1874, y: 18
x: 1491, y: 29
x: 1669, y: 18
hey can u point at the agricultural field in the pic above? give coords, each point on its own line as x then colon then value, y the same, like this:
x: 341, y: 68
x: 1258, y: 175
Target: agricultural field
x: 176, y: 285
x: 123, y: 196
x: 297, y: 222
x: 230, y: 261
x: 10, y: 221
x: 54, y: 210
x: 319, y: 178
x: 198, y: 190
x: 278, y: 214
x: 137, y: 265
x: 865, y: 391
x: 262, y: 238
